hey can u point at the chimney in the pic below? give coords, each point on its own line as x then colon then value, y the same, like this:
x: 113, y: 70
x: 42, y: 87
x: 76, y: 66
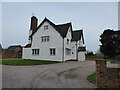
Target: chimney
x: 34, y: 22
x: 33, y: 27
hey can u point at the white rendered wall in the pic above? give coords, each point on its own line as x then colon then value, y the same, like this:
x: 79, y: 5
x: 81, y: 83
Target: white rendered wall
x: 55, y: 42
x: 68, y: 36
x: 81, y: 56
x: 26, y: 53
x: 73, y: 49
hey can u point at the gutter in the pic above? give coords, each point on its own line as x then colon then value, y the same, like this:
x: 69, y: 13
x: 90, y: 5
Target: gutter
x: 63, y: 50
x: 76, y: 51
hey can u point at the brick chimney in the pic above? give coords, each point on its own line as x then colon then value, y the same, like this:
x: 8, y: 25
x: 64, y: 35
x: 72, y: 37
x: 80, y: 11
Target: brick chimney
x: 33, y: 27
x: 34, y: 22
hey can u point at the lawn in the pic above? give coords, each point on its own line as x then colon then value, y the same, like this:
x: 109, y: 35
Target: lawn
x: 18, y: 62
x: 92, y: 77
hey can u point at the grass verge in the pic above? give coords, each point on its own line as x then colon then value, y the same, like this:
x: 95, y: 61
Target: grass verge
x: 92, y: 77
x: 18, y: 62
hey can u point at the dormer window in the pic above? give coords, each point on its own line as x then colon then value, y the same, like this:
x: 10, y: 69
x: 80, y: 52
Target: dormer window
x: 45, y: 27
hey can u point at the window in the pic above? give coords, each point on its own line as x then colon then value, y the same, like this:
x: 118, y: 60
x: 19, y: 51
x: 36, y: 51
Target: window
x: 67, y: 41
x: 35, y: 51
x: 45, y: 38
x: 52, y: 51
x: 68, y: 51
x: 45, y: 27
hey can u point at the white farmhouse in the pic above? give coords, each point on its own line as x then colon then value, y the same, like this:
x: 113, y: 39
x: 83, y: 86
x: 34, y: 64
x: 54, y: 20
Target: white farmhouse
x: 52, y: 42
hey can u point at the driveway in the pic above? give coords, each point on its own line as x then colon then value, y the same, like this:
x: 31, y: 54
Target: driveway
x: 72, y: 74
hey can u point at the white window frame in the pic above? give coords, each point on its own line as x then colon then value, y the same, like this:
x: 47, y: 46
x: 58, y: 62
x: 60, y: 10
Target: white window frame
x: 52, y: 51
x: 35, y: 51
x: 45, y: 38
x: 45, y: 27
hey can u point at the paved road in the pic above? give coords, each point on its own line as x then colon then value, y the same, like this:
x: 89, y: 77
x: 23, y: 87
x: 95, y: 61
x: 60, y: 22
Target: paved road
x: 70, y: 74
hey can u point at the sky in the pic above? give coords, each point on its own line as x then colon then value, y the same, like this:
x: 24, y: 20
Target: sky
x: 92, y: 17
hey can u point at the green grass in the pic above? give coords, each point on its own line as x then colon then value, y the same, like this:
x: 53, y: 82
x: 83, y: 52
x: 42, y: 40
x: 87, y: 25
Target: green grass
x: 92, y: 77
x: 18, y: 62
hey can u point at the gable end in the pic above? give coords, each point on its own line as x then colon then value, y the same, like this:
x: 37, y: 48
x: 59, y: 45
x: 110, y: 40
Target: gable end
x: 61, y: 29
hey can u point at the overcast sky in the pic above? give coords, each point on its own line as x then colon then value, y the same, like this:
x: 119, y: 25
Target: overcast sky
x: 92, y: 17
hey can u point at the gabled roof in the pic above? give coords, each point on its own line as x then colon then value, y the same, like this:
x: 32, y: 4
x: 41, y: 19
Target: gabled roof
x: 77, y: 35
x: 27, y: 46
x: 81, y: 49
x: 14, y: 47
x: 62, y: 28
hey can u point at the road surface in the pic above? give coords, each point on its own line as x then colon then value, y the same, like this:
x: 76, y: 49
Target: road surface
x: 72, y: 74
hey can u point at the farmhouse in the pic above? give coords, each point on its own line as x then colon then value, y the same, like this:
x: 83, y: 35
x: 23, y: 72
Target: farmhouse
x: 13, y: 51
x: 52, y: 42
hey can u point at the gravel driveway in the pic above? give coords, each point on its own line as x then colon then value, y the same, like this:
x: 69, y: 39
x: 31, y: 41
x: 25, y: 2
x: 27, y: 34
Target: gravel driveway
x: 72, y: 74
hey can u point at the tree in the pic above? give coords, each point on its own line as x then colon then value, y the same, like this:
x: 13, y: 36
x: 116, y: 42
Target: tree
x: 0, y: 48
x: 89, y: 53
x: 98, y: 54
x: 110, y: 41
